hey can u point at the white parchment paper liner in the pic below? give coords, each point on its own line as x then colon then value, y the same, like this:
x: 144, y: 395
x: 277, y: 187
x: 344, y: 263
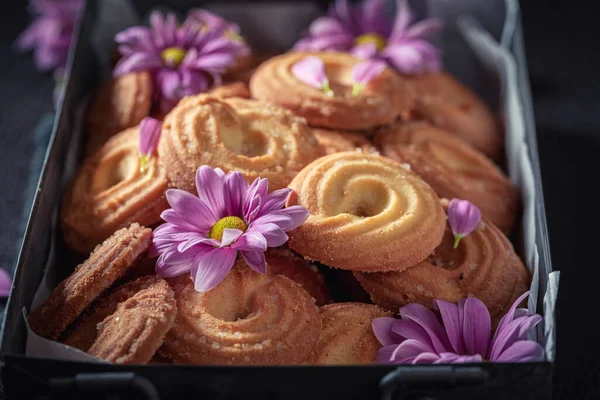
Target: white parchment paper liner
x: 487, y: 49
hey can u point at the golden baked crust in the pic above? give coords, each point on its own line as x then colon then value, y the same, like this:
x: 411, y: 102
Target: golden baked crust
x: 121, y: 103
x: 249, y: 318
x: 338, y: 141
x: 378, y: 103
x: 367, y: 213
x: 285, y: 262
x: 109, y: 192
x: 445, y: 102
x: 453, y: 168
x: 107, y: 263
x: 254, y: 138
x: 133, y: 333
x: 83, y: 332
x: 484, y: 265
x: 234, y: 89
x: 347, y: 337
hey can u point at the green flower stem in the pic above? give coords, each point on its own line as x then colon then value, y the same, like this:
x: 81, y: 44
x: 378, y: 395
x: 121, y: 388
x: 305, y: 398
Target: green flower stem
x: 327, y: 89
x: 143, y: 162
x: 356, y: 88
x: 457, y: 239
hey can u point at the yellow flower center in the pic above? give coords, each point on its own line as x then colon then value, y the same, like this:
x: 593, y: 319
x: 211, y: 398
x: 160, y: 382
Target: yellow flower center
x: 367, y: 38
x: 216, y: 232
x: 173, y: 56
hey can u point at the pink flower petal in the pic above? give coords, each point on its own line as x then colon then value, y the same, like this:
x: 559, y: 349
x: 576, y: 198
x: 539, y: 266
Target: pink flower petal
x: 255, y: 260
x: 522, y: 351
x: 213, y: 268
x: 409, y: 349
x: 5, y: 283
x: 193, y: 239
x: 510, y: 315
x: 450, y: 318
x: 311, y: 71
x: 230, y: 236
x: 515, y: 331
x: 150, y: 130
x: 193, y: 82
x: 426, y: 358
x: 210, y: 184
x: 429, y: 322
x: 136, y: 62
x: 407, y: 329
x: 298, y: 214
x: 251, y: 241
x: 172, y: 263
x: 274, y: 235
x: 253, y: 200
x: 476, y: 327
x: 451, y: 358
x: 235, y: 192
x: 404, y: 17
x: 463, y: 216
x: 365, y: 72
x: 274, y: 201
x: 382, y: 329
x: 364, y: 51
x: 424, y: 28
x: 325, y: 26
x: 384, y: 354
x: 168, y: 84
x: 191, y: 209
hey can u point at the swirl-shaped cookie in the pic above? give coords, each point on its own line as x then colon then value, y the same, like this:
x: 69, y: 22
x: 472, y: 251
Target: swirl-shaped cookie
x: 107, y: 263
x: 120, y: 104
x: 336, y: 141
x: 133, y: 333
x: 484, y: 265
x: 453, y: 168
x: 367, y: 213
x: 249, y: 318
x: 347, y: 336
x: 379, y: 103
x: 444, y: 102
x: 234, y: 89
x: 285, y: 262
x: 254, y: 138
x: 109, y: 192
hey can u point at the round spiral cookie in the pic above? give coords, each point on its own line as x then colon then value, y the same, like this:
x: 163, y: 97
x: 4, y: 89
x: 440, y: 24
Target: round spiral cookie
x: 133, y: 333
x: 285, y: 262
x: 453, y: 168
x: 443, y: 101
x: 83, y: 333
x: 107, y: 263
x: 379, y: 103
x: 120, y: 104
x: 249, y: 318
x: 367, y: 213
x: 347, y: 337
x: 109, y: 192
x: 254, y: 138
x: 336, y: 141
x: 484, y: 265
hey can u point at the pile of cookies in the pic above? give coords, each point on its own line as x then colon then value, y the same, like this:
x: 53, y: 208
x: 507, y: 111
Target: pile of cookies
x: 374, y: 170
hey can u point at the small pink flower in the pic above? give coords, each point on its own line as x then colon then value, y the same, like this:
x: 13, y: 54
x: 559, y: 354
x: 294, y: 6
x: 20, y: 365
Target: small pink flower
x: 458, y: 333
x: 364, y: 30
x: 150, y: 130
x: 364, y: 73
x: 184, y: 59
x: 203, y: 234
x: 463, y: 217
x: 49, y: 36
x: 5, y: 283
x: 311, y: 71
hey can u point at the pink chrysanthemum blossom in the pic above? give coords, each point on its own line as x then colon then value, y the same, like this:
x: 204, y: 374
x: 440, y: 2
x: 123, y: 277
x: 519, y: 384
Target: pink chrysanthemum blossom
x: 184, y: 60
x: 49, y: 36
x: 462, y: 336
x: 203, y: 234
x: 366, y: 32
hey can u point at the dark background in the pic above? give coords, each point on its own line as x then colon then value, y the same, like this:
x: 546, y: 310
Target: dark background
x: 564, y: 61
